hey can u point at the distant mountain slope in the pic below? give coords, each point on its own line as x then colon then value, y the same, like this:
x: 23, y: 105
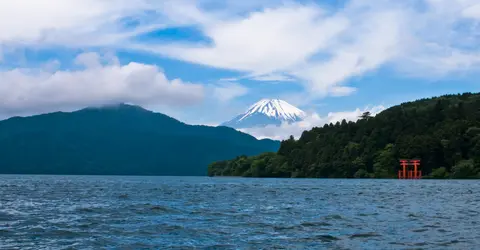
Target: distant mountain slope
x: 444, y: 132
x: 117, y: 140
x: 266, y: 112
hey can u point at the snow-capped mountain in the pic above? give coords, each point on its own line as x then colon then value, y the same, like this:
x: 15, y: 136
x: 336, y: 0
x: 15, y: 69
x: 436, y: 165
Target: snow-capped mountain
x: 267, y: 112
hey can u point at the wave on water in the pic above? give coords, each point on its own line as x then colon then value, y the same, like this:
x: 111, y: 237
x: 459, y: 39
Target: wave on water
x: 81, y: 212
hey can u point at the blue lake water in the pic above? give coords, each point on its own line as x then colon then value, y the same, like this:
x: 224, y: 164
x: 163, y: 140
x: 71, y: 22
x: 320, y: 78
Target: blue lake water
x: 99, y: 212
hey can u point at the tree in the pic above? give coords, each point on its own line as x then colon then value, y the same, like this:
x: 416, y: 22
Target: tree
x: 258, y: 168
x: 385, y: 162
x: 440, y: 173
x: 464, y: 170
x: 287, y: 146
x: 362, y: 173
x: 366, y: 115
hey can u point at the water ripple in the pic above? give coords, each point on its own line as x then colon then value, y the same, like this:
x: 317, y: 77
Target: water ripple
x: 80, y: 212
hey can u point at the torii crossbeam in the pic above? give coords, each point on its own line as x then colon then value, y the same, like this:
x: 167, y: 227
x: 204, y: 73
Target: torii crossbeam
x: 406, y: 173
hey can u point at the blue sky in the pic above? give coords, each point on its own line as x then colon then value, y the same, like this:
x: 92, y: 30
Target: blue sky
x: 204, y: 61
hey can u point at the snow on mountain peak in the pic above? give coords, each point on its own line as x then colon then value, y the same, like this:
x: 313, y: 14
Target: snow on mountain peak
x: 267, y: 112
x: 275, y: 108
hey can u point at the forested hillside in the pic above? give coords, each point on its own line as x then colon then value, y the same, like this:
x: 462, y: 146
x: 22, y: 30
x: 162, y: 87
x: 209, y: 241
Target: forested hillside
x: 117, y: 140
x: 444, y: 132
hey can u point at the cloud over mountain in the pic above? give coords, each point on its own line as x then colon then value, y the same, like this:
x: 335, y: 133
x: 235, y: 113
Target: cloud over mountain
x: 92, y: 83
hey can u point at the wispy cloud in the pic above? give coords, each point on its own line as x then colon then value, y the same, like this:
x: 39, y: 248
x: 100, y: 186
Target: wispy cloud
x: 324, y: 48
x: 66, y: 22
x: 273, y: 77
x: 226, y: 91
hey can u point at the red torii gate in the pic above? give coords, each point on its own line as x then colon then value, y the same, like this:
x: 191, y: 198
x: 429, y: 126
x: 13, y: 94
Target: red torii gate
x: 406, y: 173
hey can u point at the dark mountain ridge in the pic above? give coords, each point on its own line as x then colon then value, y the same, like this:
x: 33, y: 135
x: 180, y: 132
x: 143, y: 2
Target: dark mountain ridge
x: 117, y: 140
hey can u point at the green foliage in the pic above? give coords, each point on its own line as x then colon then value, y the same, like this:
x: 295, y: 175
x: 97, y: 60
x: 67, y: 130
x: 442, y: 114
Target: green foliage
x: 442, y: 132
x: 439, y: 173
x: 385, y: 162
x: 118, y: 140
x: 264, y: 165
x: 361, y: 173
x: 465, y: 169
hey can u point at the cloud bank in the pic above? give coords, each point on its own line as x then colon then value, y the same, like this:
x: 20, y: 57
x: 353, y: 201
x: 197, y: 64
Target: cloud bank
x: 313, y: 120
x: 93, y: 83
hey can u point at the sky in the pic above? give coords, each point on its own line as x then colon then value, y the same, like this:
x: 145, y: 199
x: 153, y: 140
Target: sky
x: 205, y: 61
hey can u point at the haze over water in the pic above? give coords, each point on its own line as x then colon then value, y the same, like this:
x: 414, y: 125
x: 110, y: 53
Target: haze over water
x: 92, y: 212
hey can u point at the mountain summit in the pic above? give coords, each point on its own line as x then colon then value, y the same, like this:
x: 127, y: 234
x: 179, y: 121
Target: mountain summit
x: 267, y: 112
x: 118, y: 140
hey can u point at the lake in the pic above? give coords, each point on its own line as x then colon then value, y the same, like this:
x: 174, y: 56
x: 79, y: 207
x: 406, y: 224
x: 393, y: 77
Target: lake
x: 116, y: 212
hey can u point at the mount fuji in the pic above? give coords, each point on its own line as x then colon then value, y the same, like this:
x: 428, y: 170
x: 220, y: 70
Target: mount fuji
x: 267, y: 112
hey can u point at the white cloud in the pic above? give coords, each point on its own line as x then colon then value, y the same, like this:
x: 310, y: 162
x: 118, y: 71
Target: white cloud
x: 453, y: 9
x: 226, y: 91
x: 273, y: 78
x: 273, y: 40
x: 447, y: 60
x: 313, y: 120
x: 263, y: 42
x: 289, y: 39
x: 472, y: 11
x: 342, y: 91
x: 51, y: 66
x: 70, y: 22
x: 325, y: 48
x: 89, y: 60
x: 370, y: 43
x: 39, y: 90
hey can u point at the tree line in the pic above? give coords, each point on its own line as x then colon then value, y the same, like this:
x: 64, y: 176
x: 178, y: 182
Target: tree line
x: 444, y: 132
